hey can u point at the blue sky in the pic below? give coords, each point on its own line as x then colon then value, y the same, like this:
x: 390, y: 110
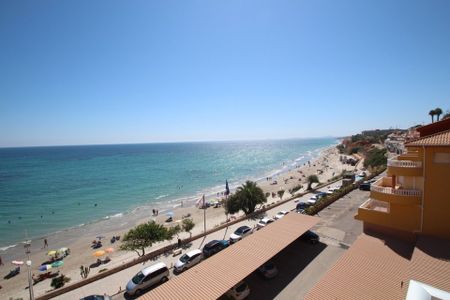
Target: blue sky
x: 94, y: 72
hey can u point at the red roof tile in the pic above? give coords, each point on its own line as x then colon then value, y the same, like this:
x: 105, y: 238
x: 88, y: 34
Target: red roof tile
x: 437, y: 139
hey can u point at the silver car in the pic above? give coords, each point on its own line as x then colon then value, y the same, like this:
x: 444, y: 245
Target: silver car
x: 157, y: 273
x: 188, y: 260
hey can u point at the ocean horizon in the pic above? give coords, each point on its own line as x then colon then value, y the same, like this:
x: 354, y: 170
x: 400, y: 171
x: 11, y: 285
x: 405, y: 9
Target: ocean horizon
x: 45, y: 189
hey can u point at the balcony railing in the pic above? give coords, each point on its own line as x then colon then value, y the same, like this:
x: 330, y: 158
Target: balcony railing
x: 399, y: 192
x: 372, y: 204
x: 404, y: 163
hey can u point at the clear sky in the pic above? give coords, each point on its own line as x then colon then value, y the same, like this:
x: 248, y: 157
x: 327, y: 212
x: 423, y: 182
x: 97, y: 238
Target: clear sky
x: 94, y: 72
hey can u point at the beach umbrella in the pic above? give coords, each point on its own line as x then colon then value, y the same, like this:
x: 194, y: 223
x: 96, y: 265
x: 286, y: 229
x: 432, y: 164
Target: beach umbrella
x: 99, y: 253
x: 57, y: 264
x: 45, y: 268
x: 17, y: 262
x: 51, y: 252
x: 63, y: 249
x: 109, y: 250
x: 169, y: 213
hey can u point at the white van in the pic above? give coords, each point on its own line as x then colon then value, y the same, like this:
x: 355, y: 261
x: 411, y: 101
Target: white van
x: 157, y: 273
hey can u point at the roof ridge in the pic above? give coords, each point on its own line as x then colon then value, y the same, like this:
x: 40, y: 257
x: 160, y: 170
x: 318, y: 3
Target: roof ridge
x: 428, y: 137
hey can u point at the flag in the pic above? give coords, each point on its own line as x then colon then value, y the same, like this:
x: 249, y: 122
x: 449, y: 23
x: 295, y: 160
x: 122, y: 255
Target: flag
x: 201, y: 202
x: 227, y: 189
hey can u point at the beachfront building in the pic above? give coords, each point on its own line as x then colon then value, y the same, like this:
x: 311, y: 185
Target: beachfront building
x: 414, y: 197
x: 404, y: 252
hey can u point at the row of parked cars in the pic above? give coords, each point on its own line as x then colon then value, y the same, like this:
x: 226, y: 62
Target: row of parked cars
x: 159, y: 272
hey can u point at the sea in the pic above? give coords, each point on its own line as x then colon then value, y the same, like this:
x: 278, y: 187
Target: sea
x: 47, y: 189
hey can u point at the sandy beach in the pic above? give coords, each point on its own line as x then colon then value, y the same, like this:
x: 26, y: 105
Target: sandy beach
x: 79, y: 239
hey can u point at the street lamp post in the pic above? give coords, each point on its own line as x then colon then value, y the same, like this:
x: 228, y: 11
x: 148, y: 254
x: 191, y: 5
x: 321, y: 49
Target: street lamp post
x: 27, y: 247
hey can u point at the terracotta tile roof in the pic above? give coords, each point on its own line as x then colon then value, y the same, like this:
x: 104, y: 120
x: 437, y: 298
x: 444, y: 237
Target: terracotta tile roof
x: 437, y: 139
x: 216, y: 275
x: 368, y: 270
x: 434, y: 127
x: 430, y: 263
x: 375, y: 269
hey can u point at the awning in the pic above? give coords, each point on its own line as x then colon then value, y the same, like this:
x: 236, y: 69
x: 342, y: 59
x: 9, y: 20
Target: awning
x: 216, y: 275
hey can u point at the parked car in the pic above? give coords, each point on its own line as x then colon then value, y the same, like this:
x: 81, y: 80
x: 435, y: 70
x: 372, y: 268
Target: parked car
x: 264, y: 222
x: 97, y: 297
x: 239, y: 291
x: 147, y: 277
x: 281, y: 214
x: 268, y: 270
x: 302, y: 206
x: 240, y: 233
x: 214, y: 246
x: 312, y: 200
x: 365, y: 186
x: 321, y: 195
x: 188, y: 260
x: 310, y: 237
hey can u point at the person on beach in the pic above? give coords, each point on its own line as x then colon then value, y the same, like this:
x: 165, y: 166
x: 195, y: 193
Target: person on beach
x: 45, y: 244
x: 1, y: 261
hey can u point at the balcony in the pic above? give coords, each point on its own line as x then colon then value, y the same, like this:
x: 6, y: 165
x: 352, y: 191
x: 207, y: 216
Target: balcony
x: 376, y: 205
x: 381, y: 213
x: 382, y: 190
x: 404, y: 166
x: 374, y: 211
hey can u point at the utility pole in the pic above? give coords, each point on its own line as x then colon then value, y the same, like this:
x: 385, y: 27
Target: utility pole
x: 27, y: 247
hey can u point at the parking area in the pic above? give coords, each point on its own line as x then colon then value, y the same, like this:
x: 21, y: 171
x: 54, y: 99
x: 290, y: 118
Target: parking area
x: 300, y: 264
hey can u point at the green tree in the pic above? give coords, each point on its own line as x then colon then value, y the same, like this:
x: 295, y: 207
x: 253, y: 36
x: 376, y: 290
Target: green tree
x: 246, y: 198
x: 144, y: 235
x: 280, y: 194
x: 438, y: 113
x: 312, y: 179
x: 188, y: 225
x: 432, y: 113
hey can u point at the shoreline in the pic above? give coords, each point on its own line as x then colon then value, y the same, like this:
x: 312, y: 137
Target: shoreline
x: 165, y: 206
x: 78, y: 239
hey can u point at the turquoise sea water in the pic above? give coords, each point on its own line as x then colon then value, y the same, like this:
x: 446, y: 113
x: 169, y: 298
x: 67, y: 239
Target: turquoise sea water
x: 46, y: 189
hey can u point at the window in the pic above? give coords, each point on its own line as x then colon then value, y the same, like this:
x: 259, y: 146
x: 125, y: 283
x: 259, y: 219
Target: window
x: 441, y: 158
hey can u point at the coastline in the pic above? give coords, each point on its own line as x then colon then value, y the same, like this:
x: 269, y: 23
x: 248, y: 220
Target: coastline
x: 78, y: 238
x: 187, y: 200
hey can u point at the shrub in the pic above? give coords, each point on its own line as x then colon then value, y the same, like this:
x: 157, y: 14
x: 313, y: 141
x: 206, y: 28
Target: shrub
x: 59, y: 281
x: 375, y: 157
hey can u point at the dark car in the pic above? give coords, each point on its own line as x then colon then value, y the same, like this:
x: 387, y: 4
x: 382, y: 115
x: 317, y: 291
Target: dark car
x: 96, y: 297
x: 365, y: 186
x: 302, y: 206
x: 214, y: 246
x: 310, y: 237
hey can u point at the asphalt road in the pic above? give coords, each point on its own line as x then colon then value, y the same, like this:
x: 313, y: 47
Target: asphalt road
x: 301, y: 265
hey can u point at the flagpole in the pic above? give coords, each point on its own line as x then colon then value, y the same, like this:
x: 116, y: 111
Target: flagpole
x: 204, y: 214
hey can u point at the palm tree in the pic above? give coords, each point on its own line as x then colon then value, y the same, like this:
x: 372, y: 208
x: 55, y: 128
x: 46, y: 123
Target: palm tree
x: 246, y: 198
x: 432, y: 113
x: 438, y: 112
